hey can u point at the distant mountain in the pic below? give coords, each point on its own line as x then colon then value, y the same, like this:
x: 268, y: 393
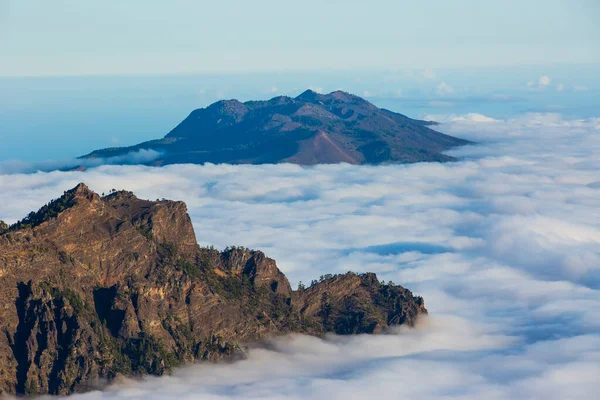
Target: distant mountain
x: 95, y: 287
x: 310, y: 129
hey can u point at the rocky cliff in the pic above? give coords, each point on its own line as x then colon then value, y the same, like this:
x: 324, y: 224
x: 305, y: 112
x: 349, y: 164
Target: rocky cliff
x: 92, y: 287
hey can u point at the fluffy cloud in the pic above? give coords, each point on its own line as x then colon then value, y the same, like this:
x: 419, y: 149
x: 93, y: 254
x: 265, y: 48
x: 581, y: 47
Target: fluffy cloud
x: 503, y: 245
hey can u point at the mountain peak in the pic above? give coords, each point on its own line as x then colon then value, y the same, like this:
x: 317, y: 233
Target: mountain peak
x: 307, y: 95
x: 81, y: 189
x: 105, y: 274
x: 231, y: 107
x: 312, y: 128
x: 340, y: 95
x: 70, y: 198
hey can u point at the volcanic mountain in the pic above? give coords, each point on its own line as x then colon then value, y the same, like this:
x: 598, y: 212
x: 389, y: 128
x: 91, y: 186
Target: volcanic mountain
x: 310, y: 129
x: 94, y: 287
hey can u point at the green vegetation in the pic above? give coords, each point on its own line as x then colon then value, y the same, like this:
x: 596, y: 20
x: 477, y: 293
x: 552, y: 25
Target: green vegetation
x: 72, y: 297
x: 3, y: 227
x: 229, y: 249
x: 149, y: 356
x: 326, y: 277
x: 192, y: 270
x: 75, y: 301
x: 50, y: 210
x: 146, y: 232
x: 113, y: 360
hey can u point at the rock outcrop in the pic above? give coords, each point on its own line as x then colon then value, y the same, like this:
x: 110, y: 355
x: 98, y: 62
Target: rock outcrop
x: 93, y: 287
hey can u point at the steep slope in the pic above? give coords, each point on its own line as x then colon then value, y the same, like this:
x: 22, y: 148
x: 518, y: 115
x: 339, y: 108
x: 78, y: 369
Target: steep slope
x: 96, y: 286
x: 309, y: 129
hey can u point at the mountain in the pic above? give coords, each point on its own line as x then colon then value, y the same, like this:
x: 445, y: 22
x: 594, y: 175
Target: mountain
x: 309, y: 129
x: 95, y: 287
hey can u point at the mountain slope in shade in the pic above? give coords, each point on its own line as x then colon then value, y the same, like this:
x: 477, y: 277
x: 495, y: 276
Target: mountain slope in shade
x: 310, y: 129
x: 95, y: 287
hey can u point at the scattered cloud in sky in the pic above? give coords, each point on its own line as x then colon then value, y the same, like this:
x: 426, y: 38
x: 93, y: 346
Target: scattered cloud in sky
x: 560, y: 87
x: 443, y: 89
x: 543, y: 82
x: 580, y: 88
x: 471, y: 117
x: 504, y: 246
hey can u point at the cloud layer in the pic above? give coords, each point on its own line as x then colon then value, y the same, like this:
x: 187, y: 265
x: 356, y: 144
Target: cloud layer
x: 133, y: 157
x: 504, y: 246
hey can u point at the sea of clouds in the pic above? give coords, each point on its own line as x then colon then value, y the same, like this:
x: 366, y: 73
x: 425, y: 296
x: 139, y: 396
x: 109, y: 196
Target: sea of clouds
x: 504, y: 246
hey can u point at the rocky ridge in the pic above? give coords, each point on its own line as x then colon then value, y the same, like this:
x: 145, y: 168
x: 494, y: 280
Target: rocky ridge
x: 95, y: 287
x: 309, y: 129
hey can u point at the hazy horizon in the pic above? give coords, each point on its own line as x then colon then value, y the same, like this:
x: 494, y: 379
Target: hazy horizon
x: 502, y: 241
x: 186, y: 36
x: 56, y: 118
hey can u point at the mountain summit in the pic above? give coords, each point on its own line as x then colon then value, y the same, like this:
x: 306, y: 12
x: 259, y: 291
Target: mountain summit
x: 311, y: 128
x: 98, y: 286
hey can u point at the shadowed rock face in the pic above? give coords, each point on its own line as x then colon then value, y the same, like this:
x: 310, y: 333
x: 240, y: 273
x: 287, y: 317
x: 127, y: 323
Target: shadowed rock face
x: 309, y: 129
x: 92, y: 287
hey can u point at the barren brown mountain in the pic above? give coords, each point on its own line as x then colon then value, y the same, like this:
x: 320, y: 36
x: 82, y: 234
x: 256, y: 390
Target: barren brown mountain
x: 95, y: 286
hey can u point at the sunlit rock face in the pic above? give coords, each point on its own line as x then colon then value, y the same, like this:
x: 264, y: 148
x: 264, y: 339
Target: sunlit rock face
x: 96, y: 286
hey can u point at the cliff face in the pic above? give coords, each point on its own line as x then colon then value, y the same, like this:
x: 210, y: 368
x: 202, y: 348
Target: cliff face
x: 92, y: 287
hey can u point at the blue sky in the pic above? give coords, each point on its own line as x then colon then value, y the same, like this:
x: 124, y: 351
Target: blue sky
x: 67, y: 67
x: 73, y: 37
x: 513, y: 288
x: 59, y: 118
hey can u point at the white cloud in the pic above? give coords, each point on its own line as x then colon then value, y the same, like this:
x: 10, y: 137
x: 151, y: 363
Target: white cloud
x: 580, y: 88
x: 471, y: 117
x: 443, y: 89
x: 503, y: 245
x: 133, y: 157
x: 560, y: 87
x: 544, y: 81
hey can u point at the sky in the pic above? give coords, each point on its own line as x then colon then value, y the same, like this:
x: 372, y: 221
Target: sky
x: 74, y: 37
x: 76, y: 76
x: 59, y: 118
x: 503, y: 245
